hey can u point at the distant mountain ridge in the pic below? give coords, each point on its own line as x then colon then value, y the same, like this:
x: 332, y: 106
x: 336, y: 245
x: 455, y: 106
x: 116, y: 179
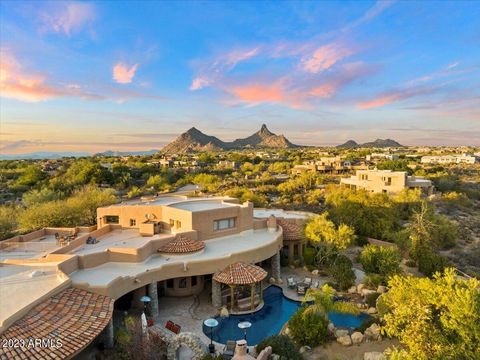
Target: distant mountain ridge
x: 42, y: 155
x: 195, y: 140
x: 125, y: 153
x: 378, y: 143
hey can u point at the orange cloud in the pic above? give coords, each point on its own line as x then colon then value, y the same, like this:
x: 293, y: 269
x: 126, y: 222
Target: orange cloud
x: 67, y: 17
x: 324, y: 91
x: 380, y: 101
x: 17, y: 84
x: 124, y: 75
x: 199, y: 83
x: 258, y: 93
x: 325, y: 57
x: 398, y: 95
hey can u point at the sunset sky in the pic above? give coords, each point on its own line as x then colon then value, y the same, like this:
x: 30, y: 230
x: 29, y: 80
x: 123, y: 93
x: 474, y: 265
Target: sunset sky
x: 93, y: 76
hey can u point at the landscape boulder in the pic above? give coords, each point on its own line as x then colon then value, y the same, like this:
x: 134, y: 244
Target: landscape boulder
x: 352, y: 290
x: 372, y: 333
x: 381, y: 289
x: 304, y: 349
x: 372, y: 310
x: 360, y: 287
x: 366, y: 292
x: 271, y: 280
x: 340, y: 332
x: 373, y: 355
x: 345, y: 340
x: 315, y: 272
x: 357, y: 338
x: 331, y: 328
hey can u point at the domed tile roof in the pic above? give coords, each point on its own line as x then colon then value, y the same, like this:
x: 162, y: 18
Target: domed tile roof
x: 182, y: 245
x: 240, y: 273
x: 291, y: 231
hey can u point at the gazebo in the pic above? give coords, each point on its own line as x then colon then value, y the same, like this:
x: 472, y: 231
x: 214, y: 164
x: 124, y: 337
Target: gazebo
x: 182, y: 245
x: 242, y: 274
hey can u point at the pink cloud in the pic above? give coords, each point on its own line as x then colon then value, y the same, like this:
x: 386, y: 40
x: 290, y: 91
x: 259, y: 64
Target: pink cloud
x: 325, y: 57
x: 199, y: 83
x: 122, y: 74
x: 16, y: 83
x: 67, y: 17
x: 397, y: 95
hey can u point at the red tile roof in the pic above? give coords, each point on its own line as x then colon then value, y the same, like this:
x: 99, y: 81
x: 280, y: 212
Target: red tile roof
x: 66, y: 323
x: 182, y: 245
x: 240, y: 273
x: 291, y: 231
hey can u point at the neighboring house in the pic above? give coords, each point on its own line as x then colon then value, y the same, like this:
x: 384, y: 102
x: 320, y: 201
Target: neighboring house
x: 386, y: 181
x: 381, y: 156
x: 331, y: 165
x: 449, y: 159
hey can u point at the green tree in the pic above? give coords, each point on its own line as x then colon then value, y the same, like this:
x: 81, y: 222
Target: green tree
x: 308, y: 328
x: 324, y: 303
x: 381, y: 260
x: 30, y: 176
x: 8, y: 220
x: 34, y: 197
x: 321, y: 230
x: 281, y: 345
x: 342, y: 272
x: 434, y: 319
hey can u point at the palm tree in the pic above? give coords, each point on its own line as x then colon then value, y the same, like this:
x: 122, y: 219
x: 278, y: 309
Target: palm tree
x: 324, y: 303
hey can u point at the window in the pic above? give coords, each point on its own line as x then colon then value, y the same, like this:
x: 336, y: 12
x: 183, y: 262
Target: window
x: 133, y: 222
x: 172, y: 223
x: 178, y: 224
x: 182, y: 284
x: 194, y: 281
x: 224, y: 224
x: 111, y: 219
x: 170, y: 283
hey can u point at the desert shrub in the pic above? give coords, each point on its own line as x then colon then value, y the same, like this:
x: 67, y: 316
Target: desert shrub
x: 380, y: 260
x: 308, y: 329
x: 342, y: 272
x: 309, y: 256
x: 281, y: 345
x: 361, y: 240
x: 411, y: 263
x: 371, y: 299
x: 430, y: 262
x: 373, y: 280
x: 212, y: 357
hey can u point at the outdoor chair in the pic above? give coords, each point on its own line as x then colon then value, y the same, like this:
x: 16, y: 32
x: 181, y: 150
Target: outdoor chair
x: 315, y: 284
x: 301, y: 289
x: 169, y: 325
x: 308, y: 281
x: 291, y: 282
x: 176, y: 328
x: 229, y: 349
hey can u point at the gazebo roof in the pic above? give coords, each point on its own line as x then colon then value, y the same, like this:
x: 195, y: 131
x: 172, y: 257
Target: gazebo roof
x: 182, y: 245
x: 291, y: 231
x: 240, y: 273
x: 72, y: 318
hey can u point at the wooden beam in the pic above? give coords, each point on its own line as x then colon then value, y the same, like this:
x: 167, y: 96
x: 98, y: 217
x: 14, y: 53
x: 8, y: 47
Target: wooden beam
x: 252, y: 296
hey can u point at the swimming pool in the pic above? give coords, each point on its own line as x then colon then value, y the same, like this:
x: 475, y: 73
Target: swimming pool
x: 270, y: 319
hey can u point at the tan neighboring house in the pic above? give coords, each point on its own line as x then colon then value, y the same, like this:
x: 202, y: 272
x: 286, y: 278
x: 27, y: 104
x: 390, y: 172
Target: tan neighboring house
x: 170, y: 245
x: 449, y: 159
x: 386, y: 181
x: 332, y: 165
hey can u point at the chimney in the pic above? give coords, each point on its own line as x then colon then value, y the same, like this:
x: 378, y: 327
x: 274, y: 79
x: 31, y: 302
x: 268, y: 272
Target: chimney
x: 241, y: 351
x: 272, y: 223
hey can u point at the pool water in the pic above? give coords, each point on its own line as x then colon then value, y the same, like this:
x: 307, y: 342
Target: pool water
x: 270, y: 319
